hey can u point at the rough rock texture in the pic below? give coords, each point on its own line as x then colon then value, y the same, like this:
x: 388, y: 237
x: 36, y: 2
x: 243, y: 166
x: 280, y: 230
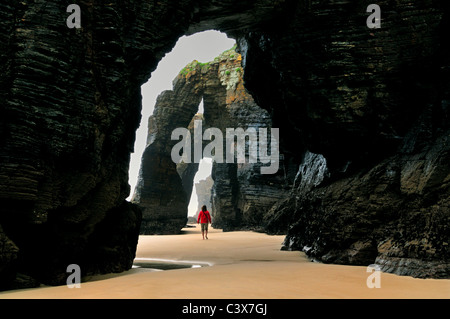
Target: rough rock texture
x: 372, y: 105
x: 240, y: 194
x: 70, y: 103
x: 394, y: 214
x: 159, y: 191
x: 67, y: 129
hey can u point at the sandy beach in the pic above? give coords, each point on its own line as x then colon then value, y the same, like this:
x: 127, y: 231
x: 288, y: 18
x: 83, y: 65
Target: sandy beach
x: 236, y: 265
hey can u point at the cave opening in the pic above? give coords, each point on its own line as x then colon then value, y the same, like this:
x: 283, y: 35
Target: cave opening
x: 202, y: 182
x: 161, y: 186
x: 203, y: 47
x: 71, y: 103
x: 200, y: 198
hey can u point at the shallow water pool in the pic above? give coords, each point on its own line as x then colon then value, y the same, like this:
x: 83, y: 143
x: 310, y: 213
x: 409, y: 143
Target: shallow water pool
x: 166, y: 264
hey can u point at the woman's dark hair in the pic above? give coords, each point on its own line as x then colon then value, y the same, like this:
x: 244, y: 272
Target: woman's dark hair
x: 204, y: 208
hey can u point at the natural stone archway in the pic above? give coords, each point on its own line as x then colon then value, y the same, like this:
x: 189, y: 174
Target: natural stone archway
x: 164, y: 187
x: 373, y: 103
x: 203, y: 190
x: 70, y: 103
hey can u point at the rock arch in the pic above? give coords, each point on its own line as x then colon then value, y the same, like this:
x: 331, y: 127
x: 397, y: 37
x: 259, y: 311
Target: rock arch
x: 164, y: 187
x: 370, y: 101
x: 70, y: 102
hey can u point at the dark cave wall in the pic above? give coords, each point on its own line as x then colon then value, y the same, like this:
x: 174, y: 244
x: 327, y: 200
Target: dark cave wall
x: 347, y: 91
x: 241, y: 192
x: 70, y: 104
x: 374, y: 103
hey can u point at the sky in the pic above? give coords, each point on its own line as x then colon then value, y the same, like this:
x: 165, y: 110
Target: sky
x: 203, y: 47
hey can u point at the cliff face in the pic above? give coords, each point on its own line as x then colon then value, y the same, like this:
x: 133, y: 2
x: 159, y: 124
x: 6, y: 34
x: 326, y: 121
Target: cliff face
x: 373, y: 103
x: 369, y: 129
x: 69, y: 111
x: 240, y: 194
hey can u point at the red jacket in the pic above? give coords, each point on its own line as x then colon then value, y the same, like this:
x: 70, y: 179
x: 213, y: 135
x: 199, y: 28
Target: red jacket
x: 204, y: 217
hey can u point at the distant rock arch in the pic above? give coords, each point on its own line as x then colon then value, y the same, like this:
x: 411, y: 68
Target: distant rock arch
x: 164, y: 188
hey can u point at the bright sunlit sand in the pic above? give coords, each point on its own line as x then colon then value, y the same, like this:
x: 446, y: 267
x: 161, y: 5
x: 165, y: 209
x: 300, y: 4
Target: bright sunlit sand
x: 241, y: 265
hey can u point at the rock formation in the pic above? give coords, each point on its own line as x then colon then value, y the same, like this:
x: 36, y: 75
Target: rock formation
x: 240, y: 194
x: 366, y: 116
x: 372, y: 103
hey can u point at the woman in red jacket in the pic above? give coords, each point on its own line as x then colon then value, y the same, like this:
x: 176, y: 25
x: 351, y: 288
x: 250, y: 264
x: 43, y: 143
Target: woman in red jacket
x: 204, y: 218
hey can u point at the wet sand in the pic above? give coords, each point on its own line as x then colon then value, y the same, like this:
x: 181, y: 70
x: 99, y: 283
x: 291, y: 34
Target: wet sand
x: 242, y: 265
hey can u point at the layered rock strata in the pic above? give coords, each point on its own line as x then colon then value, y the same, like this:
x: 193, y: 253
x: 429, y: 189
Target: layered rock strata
x: 372, y: 106
x: 240, y: 195
x: 393, y: 215
x: 70, y: 104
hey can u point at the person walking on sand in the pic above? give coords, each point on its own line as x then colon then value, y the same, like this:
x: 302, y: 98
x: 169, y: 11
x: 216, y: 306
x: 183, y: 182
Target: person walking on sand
x: 204, y: 218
